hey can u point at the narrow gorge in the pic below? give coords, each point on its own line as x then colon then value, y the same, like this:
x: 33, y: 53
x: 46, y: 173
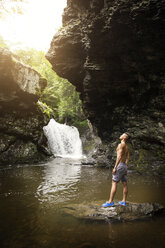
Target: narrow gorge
x: 113, y: 52
x: 66, y: 98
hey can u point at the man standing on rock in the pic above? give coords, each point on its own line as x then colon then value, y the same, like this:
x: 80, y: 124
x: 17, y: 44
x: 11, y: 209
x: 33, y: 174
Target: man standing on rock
x: 120, y: 171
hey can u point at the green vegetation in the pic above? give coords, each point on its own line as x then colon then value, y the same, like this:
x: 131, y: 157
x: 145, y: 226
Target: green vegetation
x: 59, y: 95
x: 14, y: 7
x: 3, y: 43
x: 59, y: 99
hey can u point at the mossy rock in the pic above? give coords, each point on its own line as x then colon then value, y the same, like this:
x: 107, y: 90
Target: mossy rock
x: 21, y: 152
x: 161, y: 169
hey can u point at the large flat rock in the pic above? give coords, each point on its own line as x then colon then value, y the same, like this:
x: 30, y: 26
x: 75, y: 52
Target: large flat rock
x: 131, y: 212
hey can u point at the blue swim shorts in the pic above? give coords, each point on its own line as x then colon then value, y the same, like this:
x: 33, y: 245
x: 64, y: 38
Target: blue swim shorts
x: 121, y: 173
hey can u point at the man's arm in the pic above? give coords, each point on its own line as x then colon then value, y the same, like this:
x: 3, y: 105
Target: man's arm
x: 119, y: 156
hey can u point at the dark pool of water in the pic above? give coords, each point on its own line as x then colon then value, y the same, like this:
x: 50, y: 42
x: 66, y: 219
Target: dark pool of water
x: 32, y: 198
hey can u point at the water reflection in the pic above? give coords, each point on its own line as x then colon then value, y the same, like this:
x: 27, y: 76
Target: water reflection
x: 32, y: 198
x: 59, y: 181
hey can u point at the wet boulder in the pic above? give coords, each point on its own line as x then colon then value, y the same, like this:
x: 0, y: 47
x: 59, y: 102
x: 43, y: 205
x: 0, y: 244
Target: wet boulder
x: 130, y: 212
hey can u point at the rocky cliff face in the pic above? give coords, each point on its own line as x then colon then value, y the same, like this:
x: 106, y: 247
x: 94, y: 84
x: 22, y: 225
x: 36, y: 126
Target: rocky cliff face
x: 113, y: 52
x: 21, y: 121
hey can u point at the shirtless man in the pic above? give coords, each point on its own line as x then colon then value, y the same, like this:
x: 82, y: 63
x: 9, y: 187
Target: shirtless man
x: 120, y: 171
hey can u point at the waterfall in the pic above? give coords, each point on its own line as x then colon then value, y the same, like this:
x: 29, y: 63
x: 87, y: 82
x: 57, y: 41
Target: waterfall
x: 64, y: 140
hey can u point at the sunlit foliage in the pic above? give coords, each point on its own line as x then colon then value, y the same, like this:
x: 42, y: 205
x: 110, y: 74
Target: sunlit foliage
x: 11, y: 7
x: 3, y: 43
x: 60, y: 97
x: 59, y: 94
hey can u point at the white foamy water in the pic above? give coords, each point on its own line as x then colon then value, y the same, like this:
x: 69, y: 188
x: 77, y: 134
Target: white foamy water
x: 64, y: 140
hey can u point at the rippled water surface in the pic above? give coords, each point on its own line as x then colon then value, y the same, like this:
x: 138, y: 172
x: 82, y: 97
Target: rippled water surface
x: 32, y: 198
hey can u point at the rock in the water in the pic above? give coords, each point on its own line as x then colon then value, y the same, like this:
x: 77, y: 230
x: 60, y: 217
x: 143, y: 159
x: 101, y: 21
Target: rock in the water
x: 21, y: 121
x: 113, y: 52
x: 130, y: 212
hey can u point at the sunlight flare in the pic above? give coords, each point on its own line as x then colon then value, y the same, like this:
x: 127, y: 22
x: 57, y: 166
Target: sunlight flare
x: 35, y: 27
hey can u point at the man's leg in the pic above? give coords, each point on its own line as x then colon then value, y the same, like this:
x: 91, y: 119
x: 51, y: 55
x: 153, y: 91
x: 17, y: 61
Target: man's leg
x: 113, y: 191
x: 125, y: 191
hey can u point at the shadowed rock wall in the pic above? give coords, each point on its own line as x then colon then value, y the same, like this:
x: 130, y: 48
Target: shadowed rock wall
x: 21, y: 121
x: 113, y: 52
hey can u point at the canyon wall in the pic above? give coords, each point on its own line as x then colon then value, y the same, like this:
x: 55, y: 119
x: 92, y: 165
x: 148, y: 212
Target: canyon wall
x: 113, y: 52
x: 21, y: 121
